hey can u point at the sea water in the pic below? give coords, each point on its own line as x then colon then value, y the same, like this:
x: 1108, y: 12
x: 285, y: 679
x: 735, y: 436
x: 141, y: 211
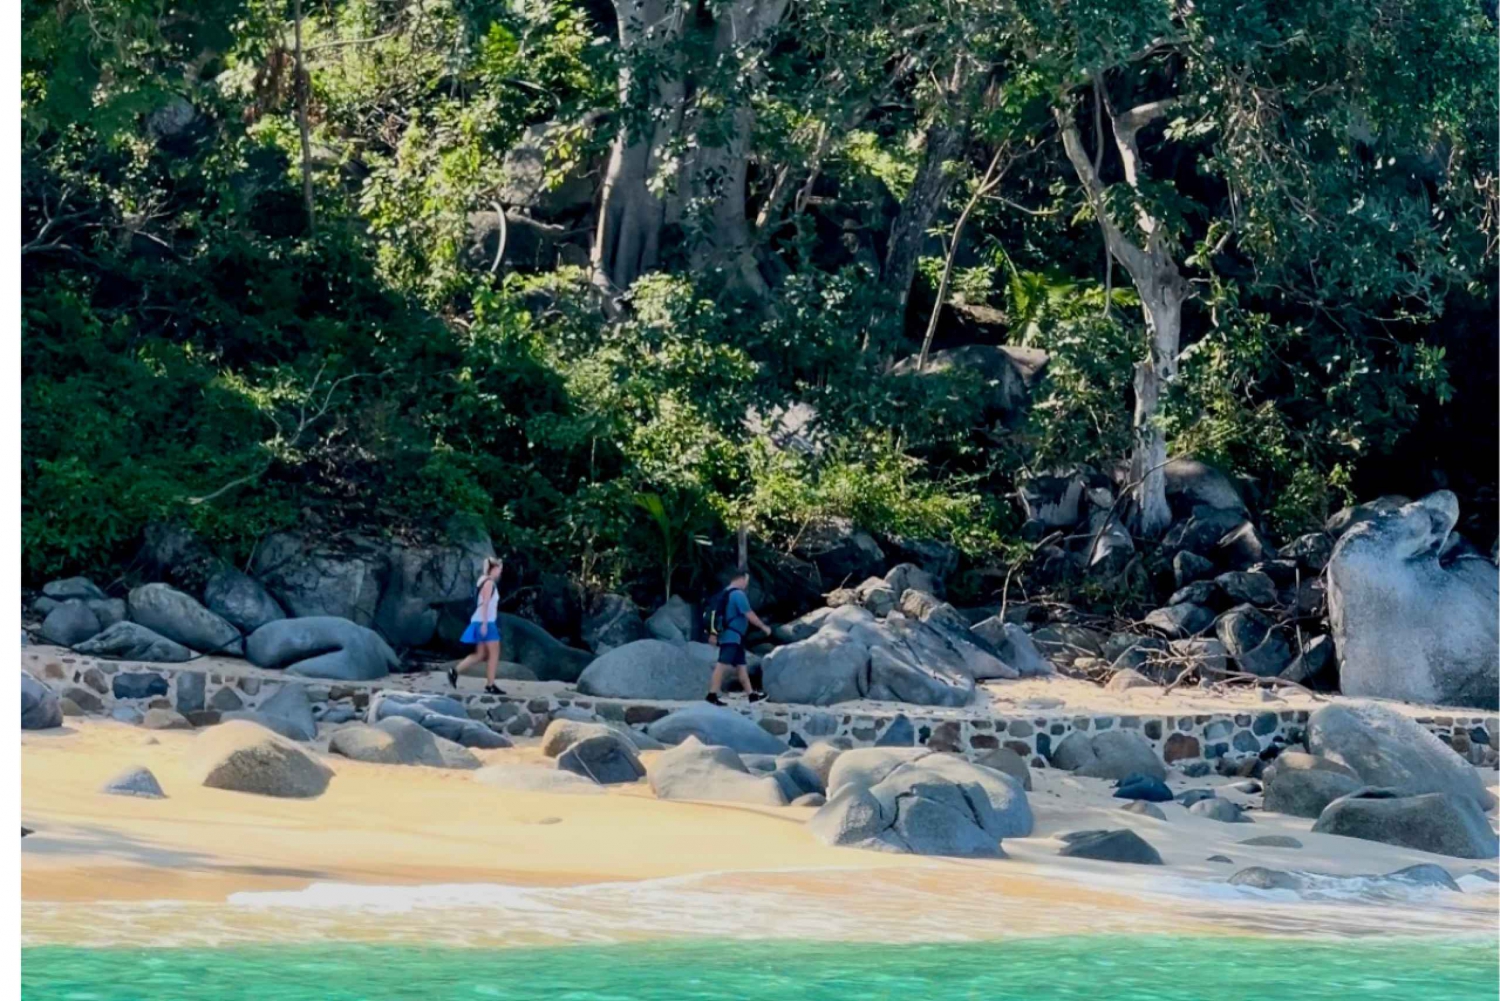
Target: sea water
x: 1072, y: 968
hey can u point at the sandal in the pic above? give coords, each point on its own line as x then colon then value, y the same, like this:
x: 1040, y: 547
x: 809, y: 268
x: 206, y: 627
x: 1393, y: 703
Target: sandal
x: 493, y: 690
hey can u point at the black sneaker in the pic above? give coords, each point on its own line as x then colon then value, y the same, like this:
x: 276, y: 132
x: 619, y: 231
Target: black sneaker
x: 713, y: 697
x: 757, y: 696
x: 453, y: 677
x: 493, y: 690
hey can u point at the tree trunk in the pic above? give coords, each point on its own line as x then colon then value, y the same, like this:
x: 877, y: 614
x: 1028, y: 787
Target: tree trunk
x: 302, y: 127
x: 943, y: 143
x: 1163, y: 313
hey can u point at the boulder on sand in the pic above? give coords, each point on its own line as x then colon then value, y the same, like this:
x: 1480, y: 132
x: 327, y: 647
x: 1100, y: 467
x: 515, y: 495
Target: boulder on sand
x: 445, y: 717
x: 647, y: 669
x: 321, y: 647
x: 397, y: 740
x: 169, y: 612
x: 1442, y: 823
x: 606, y: 758
x: 1110, y: 846
x: 1113, y: 754
x: 1392, y: 751
x: 717, y: 726
x: 40, y: 708
x: 242, y: 756
x: 137, y: 781
x: 693, y: 770
x: 921, y: 802
x: 1406, y: 626
x: 825, y: 668
x: 562, y: 734
x: 240, y: 600
x: 1301, y: 785
x: 133, y: 641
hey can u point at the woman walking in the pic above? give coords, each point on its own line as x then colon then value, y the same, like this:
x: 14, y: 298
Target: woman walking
x: 484, y: 627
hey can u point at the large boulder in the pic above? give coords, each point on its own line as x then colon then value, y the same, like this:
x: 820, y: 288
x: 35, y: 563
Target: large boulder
x: 923, y: 802
x: 1121, y: 845
x: 673, y: 621
x: 321, y: 647
x: 1257, y: 645
x: 842, y: 553
x: 696, y: 771
x: 606, y: 758
x: 1406, y: 626
x: 396, y: 740
x: 829, y: 666
x: 1014, y: 646
x: 563, y: 733
x: 549, y: 659
x: 70, y: 623
x: 312, y: 581
x: 1436, y: 822
x: 72, y: 589
x: 421, y: 580
x: 611, y: 620
x: 40, y: 709
x: 177, y: 616
x: 133, y: 641
x: 647, y: 669
x: 242, y: 756
x: 240, y: 600
x: 1391, y: 751
x: 1302, y: 785
x: 718, y: 726
x: 1191, y: 484
x: 1112, y: 754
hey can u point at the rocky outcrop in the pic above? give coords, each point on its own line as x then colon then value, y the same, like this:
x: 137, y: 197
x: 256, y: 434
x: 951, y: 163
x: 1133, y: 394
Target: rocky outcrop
x: 697, y: 771
x: 924, y: 803
x: 240, y: 600
x: 1406, y: 626
x: 179, y: 617
x: 1391, y: 751
x: 242, y: 756
x: 311, y: 581
x: 647, y: 669
x: 1442, y: 823
x: 321, y: 647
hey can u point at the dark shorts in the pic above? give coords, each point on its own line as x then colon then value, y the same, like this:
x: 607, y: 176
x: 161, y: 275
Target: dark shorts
x: 732, y: 654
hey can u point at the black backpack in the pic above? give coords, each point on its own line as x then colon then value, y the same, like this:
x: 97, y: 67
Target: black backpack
x: 715, y: 610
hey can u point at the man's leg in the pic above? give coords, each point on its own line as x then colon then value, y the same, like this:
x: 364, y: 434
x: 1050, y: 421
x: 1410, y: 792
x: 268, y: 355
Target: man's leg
x: 715, y: 682
x: 745, y: 679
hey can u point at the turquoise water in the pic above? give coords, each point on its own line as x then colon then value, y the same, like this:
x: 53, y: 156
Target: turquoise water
x: 1082, y: 968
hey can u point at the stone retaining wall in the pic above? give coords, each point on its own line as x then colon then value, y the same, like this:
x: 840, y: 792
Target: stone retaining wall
x: 1193, y: 742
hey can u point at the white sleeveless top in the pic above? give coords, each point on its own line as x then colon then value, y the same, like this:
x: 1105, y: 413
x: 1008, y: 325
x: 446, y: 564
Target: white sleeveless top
x: 486, y: 612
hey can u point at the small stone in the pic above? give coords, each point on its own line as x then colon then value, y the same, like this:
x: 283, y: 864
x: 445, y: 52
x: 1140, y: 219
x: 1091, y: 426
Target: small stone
x: 1145, y: 809
x: 250, y: 686
x: 226, y: 700
x: 1273, y: 841
x: 1219, y: 809
x: 136, y: 781
x: 1224, y: 859
x: 165, y: 719
x: 1196, y: 769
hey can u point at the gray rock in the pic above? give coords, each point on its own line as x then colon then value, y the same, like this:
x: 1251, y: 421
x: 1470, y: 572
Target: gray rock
x: 923, y: 667
x: 820, y: 758
x: 1112, y: 754
x: 695, y: 771
x: 309, y: 581
x: 290, y: 705
x: 70, y: 624
x: 138, y: 685
x: 165, y: 719
x: 1190, y: 796
x: 796, y: 780
x: 1389, y: 750
x: 396, y: 740
x: 923, y: 802
x: 1127, y: 679
x: 612, y: 620
x: 444, y: 717
x: 133, y: 641
x: 240, y: 600
x: 534, y: 778
x: 1306, y: 791
x: 1273, y: 841
x: 672, y: 622
x: 647, y: 669
x: 127, y: 714
x: 562, y: 734
x: 1311, y: 551
x: 321, y: 647
x: 84, y: 699
x: 905, y: 577
x: 841, y: 552
x: 1008, y: 762
x: 1243, y: 547
x: 828, y: 667
x: 876, y: 596
x: 1111, y: 846
x: 108, y: 611
x: 606, y: 758
x: 40, y: 708
x: 1014, y: 646
x: 1442, y: 823
x: 1404, y: 625
x: 177, y: 616
x: 191, y: 686
x: 809, y: 799
x: 1346, y: 518
x: 241, y: 756
x: 716, y: 726
x: 1201, y: 531
x: 1315, y: 666
x: 1191, y: 484
x: 1252, y: 639
x: 1145, y: 809
x: 803, y: 627
x: 1219, y: 809
x: 72, y: 589
x: 1180, y: 621
x: 137, y: 781
x: 1188, y: 567
x: 1247, y: 587
x: 1199, y: 592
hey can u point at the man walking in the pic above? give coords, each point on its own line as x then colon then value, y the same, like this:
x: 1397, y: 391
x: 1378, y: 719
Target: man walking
x: 728, y: 618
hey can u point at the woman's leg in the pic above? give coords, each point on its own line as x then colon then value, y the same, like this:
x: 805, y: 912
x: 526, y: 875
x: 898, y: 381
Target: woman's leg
x: 492, y: 653
x: 472, y: 658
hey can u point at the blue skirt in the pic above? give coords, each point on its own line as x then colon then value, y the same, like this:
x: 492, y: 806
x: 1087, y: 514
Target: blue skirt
x: 481, y: 632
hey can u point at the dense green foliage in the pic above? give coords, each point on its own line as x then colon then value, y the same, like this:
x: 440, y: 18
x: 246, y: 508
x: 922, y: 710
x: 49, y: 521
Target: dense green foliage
x: 197, y: 346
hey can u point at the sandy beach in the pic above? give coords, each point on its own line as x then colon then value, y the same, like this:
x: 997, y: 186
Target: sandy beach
x: 380, y: 832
